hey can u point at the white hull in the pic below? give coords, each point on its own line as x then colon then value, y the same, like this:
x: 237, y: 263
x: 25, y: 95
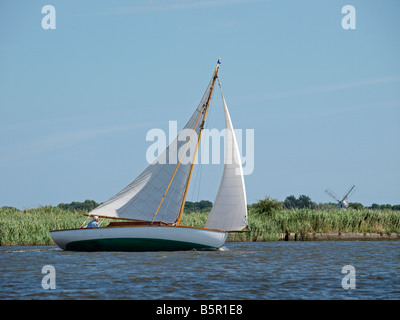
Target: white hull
x: 139, y: 238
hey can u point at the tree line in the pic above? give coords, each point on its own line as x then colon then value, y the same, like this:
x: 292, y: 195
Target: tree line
x: 89, y: 205
x: 303, y: 201
x: 267, y: 204
x: 290, y: 202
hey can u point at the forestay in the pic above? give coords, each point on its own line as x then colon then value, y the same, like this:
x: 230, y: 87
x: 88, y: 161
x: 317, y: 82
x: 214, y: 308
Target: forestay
x: 157, y: 193
x: 229, y: 212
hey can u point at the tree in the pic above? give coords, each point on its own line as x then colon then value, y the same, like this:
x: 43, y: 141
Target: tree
x: 88, y: 205
x: 356, y: 205
x: 302, y: 202
x: 267, y: 206
x: 305, y: 202
x: 290, y: 202
x: 202, y: 206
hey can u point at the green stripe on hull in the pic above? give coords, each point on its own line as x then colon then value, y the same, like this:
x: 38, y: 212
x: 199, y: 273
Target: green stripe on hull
x: 134, y: 244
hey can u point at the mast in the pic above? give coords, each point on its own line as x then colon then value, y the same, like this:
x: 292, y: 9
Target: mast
x: 215, y: 76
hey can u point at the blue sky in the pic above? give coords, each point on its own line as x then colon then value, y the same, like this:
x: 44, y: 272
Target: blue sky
x: 76, y: 102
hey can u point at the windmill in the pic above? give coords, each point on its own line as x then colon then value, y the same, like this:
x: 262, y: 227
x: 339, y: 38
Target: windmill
x: 342, y: 204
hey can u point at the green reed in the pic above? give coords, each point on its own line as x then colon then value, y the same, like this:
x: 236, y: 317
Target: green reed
x: 303, y: 221
x: 32, y: 226
x: 322, y: 221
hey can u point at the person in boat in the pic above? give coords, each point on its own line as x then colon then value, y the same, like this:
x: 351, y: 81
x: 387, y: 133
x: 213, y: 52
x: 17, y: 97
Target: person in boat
x: 94, y: 223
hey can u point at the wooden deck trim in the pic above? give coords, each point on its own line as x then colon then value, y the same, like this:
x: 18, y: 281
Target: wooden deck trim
x: 143, y: 224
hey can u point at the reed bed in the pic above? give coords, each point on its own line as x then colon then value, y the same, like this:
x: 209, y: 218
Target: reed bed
x: 32, y: 226
x: 267, y: 227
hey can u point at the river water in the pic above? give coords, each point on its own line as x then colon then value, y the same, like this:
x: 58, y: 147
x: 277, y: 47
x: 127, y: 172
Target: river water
x: 255, y: 271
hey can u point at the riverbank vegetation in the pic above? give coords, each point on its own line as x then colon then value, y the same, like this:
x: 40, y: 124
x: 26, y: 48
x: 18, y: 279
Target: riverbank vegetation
x: 267, y: 219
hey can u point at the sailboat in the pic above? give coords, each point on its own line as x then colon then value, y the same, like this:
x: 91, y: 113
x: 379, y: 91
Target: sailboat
x: 148, y: 211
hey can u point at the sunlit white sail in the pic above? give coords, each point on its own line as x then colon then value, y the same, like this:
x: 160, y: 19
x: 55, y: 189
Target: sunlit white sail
x: 144, y: 197
x: 229, y: 211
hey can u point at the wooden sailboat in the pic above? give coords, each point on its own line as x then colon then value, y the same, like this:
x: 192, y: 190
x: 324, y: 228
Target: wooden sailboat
x: 152, y: 205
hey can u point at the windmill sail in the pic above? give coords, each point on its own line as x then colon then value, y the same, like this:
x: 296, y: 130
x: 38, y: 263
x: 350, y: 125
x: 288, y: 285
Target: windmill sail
x: 332, y: 194
x: 229, y: 212
x: 349, y: 192
x: 158, y: 192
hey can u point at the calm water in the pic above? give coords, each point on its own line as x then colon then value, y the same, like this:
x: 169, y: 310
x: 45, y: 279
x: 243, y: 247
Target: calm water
x: 272, y: 270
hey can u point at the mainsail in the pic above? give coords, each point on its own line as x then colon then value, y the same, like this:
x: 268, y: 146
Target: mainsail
x: 229, y: 212
x: 158, y: 192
